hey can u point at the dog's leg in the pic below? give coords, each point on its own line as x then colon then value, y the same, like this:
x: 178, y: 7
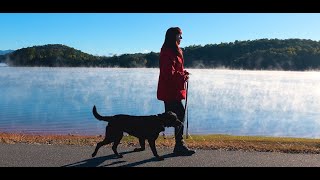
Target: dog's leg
x: 152, y: 143
x: 107, y: 140
x: 142, y: 144
x: 116, y: 143
x: 102, y: 143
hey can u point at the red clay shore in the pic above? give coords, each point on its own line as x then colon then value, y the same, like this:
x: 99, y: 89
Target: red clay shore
x: 85, y: 140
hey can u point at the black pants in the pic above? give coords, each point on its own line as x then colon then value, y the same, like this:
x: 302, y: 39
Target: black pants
x: 176, y: 107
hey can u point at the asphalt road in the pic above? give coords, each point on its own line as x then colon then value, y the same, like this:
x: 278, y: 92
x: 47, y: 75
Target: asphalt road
x: 27, y: 155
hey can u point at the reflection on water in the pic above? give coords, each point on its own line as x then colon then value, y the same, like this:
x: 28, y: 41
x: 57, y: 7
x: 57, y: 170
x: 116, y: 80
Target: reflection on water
x: 60, y: 100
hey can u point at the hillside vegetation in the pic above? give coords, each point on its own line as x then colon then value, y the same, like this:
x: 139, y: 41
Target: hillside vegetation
x: 261, y: 54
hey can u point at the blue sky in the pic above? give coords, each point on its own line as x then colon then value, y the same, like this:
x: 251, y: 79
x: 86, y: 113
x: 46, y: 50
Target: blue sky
x: 118, y: 33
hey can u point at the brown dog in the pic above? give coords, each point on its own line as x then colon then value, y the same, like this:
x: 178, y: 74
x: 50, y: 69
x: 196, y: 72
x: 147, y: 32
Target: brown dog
x: 142, y: 127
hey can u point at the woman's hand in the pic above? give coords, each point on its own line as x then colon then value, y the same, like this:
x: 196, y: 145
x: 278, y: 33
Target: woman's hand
x: 186, y: 75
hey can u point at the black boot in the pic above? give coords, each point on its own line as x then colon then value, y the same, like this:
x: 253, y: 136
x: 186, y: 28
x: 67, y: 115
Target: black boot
x: 180, y: 148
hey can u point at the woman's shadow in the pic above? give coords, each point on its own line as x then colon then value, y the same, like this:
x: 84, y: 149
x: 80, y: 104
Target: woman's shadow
x: 95, y: 162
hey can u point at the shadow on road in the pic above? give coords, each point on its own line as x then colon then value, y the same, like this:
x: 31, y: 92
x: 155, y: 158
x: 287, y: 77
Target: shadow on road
x: 95, y: 162
x: 148, y: 160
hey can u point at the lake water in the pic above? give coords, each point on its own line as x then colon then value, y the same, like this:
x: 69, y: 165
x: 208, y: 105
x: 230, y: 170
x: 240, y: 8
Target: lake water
x: 237, y: 102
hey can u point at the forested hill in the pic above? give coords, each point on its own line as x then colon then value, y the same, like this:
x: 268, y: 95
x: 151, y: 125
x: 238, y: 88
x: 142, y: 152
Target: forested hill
x: 265, y: 54
x: 290, y: 54
x: 52, y: 55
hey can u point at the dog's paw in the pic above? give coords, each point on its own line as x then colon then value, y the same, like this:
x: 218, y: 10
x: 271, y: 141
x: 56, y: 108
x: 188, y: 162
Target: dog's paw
x: 120, y: 156
x: 138, y: 149
x: 159, y: 158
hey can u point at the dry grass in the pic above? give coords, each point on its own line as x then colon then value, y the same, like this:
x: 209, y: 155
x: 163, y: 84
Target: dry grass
x: 226, y: 142
x: 255, y: 143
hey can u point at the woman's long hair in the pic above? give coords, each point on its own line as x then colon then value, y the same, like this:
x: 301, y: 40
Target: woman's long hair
x: 170, y: 40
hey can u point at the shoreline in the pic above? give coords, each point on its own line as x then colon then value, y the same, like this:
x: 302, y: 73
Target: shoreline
x: 207, y: 142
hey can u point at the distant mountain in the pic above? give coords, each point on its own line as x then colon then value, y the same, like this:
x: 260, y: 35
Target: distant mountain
x: 260, y: 54
x: 2, y: 52
x: 52, y: 55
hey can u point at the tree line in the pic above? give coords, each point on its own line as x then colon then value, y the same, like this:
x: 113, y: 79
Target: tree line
x: 261, y: 54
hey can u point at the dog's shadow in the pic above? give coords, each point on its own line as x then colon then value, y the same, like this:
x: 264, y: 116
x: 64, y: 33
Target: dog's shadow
x: 95, y: 162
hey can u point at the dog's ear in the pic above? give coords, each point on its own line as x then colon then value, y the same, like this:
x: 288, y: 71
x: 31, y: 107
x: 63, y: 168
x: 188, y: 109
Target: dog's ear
x: 170, y: 119
x: 168, y: 115
x: 174, y: 119
x: 171, y: 114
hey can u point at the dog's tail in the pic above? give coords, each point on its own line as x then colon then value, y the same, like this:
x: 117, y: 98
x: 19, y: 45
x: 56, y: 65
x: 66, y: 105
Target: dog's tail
x: 98, y: 116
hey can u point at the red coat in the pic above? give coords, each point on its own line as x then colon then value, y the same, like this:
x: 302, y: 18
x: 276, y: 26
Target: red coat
x: 171, y: 84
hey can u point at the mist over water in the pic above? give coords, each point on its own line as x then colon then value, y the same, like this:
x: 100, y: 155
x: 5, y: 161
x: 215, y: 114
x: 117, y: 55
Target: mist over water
x: 3, y: 64
x: 272, y: 103
x: 60, y: 100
